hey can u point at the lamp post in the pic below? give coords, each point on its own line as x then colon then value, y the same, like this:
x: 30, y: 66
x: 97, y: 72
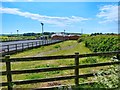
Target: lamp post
x: 11, y: 33
x: 81, y: 31
x: 42, y: 28
x: 17, y: 32
x: 64, y: 34
x: 42, y: 33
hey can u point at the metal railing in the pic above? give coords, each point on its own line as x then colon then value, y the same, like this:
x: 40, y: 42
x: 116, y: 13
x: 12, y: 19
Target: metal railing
x: 14, y: 48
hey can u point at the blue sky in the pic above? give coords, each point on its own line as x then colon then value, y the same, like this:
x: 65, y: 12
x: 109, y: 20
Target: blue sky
x: 90, y: 17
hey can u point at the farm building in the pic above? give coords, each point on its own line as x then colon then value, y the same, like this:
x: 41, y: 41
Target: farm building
x: 64, y: 37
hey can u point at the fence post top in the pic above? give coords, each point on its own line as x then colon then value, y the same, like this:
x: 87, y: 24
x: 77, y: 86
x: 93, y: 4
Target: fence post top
x: 76, y: 53
x: 7, y: 56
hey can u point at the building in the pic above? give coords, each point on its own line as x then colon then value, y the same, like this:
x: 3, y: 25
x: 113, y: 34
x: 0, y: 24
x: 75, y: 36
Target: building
x: 64, y: 37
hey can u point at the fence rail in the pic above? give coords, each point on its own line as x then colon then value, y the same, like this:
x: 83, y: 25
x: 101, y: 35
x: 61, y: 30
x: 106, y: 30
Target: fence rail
x: 75, y: 67
x: 14, y: 48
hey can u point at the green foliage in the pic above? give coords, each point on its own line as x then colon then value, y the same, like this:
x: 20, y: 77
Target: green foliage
x: 46, y: 65
x: 83, y: 37
x: 35, y: 76
x: 57, y: 46
x: 89, y: 60
x: 80, y: 40
x: 14, y: 38
x: 102, y: 43
x: 94, y: 86
x: 109, y: 81
x: 3, y: 38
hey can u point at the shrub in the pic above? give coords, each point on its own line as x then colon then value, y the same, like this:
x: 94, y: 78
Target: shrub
x: 90, y: 60
x: 57, y: 46
x: 79, y: 40
x: 109, y: 81
x: 102, y: 43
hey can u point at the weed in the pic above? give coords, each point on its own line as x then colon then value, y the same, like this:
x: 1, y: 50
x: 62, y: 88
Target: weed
x: 35, y: 76
x: 89, y: 60
x: 57, y: 46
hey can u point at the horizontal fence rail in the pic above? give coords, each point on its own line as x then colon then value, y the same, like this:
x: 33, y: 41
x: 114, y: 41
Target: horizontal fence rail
x: 59, y: 57
x: 75, y: 67
x: 14, y: 48
x: 59, y: 68
x: 38, y: 70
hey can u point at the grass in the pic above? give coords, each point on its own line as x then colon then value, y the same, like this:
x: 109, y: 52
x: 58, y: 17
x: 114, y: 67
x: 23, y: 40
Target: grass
x: 41, y: 49
x: 63, y: 48
x: 78, y: 47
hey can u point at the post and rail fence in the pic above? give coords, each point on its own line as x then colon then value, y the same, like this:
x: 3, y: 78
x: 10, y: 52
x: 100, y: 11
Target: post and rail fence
x: 14, y: 48
x: 74, y: 67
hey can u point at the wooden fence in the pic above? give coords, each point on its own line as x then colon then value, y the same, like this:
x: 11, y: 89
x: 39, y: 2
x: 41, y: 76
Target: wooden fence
x: 14, y: 48
x: 75, y: 67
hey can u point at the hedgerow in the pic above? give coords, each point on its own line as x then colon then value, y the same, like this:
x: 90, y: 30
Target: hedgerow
x: 102, y: 43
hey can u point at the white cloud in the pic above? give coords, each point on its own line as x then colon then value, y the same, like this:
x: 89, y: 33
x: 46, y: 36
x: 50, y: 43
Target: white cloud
x: 61, y: 21
x: 109, y: 13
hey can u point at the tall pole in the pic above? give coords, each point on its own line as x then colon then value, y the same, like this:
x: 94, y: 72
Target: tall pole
x: 11, y: 33
x: 42, y: 33
x: 17, y: 32
x: 64, y: 34
x: 81, y: 31
x: 42, y: 28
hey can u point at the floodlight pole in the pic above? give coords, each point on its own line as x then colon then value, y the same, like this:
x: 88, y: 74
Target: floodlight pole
x: 17, y: 32
x: 42, y: 28
x: 64, y: 34
x: 42, y: 33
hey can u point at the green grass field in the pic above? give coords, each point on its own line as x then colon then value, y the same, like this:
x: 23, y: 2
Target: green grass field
x: 63, y: 48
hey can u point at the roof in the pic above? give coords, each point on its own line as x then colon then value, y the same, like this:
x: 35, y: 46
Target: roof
x: 63, y: 35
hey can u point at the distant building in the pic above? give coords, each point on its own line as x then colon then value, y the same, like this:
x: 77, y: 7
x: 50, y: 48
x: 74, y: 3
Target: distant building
x: 73, y: 37
x: 64, y: 37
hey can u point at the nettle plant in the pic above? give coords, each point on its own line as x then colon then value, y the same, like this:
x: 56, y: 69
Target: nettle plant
x: 108, y: 78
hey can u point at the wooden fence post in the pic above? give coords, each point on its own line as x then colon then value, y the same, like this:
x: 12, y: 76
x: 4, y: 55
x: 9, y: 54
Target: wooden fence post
x: 77, y: 69
x: 8, y: 70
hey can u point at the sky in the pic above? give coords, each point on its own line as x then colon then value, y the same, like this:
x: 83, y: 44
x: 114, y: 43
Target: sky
x: 73, y: 17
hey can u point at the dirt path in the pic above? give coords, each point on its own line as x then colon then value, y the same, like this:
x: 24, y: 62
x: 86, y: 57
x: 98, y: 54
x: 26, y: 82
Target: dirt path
x: 55, y: 50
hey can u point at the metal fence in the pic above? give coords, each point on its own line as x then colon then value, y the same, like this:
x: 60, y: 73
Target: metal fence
x: 14, y: 48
